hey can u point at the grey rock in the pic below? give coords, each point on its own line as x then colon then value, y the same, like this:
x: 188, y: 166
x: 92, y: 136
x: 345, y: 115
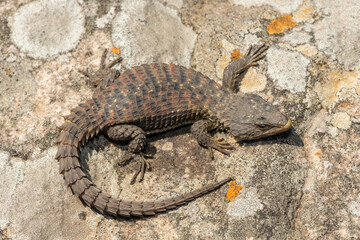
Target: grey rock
x: 147, y: 31
x: 337, y: 34
x: 296, y: 38
x: 43, y: 29
x: 283, y: 6
x: 288, y: 69
x: 245, y: 205
x: 303, y: 184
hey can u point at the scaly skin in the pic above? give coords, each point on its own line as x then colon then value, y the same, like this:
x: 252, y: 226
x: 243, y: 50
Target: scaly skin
x: 155, y: 98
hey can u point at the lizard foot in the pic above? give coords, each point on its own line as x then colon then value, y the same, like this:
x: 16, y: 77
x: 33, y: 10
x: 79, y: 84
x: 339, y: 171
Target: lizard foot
x: 220, y: 145
x: 104, y: 75
x: 255, y: 54
x: 144, y: 164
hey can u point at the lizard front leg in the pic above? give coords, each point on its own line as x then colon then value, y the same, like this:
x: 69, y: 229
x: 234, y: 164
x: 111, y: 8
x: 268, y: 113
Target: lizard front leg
x: 137, y: 139
x: 200, y: 131
x: 236, y: 70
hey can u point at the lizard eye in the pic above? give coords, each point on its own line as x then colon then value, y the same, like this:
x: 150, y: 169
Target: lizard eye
x: 263, y: 126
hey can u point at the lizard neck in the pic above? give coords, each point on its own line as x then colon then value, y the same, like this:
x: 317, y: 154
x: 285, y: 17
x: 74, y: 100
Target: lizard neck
x: 220, y: 106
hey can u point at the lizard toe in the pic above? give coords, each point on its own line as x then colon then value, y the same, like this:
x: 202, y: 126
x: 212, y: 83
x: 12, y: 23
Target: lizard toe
x: 143, y: 167
x: 126, y: 158
x: 220, y: 145
x: 257, y: 53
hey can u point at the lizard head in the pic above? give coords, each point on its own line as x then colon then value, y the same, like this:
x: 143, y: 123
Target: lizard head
x: 251, y: 117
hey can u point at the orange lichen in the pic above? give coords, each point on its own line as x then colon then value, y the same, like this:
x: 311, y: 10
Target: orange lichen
x: 236, y: 55
x: 278, y: 25
x: 116, y: 50
x: 319, y: 152
x: 226, y: 58
x: 233, y: 191
x: 7, y: 71
x: 111, y: 144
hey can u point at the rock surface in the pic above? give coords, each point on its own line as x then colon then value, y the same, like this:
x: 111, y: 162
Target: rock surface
x: 304, y: 184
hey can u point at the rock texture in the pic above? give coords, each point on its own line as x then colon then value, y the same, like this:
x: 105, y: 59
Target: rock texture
x: 44, y: 29
x: 304, y: 184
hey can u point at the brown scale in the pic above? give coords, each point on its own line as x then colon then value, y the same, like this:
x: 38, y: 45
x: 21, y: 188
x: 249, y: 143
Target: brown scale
x: 143, y: 100
x: 146, y: 92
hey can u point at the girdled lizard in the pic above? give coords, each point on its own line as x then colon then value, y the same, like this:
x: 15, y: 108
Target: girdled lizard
x: 155, y: 98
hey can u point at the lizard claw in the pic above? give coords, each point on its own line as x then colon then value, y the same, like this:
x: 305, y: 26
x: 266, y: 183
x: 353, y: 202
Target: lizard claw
x: 126, y: 158
x: 220, y: 145
x: 144, y: 164
x: 256, y: 53
x: 105, y: 75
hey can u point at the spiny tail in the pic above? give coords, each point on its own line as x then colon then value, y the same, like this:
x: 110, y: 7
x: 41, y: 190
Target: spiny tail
x: 81, y: 125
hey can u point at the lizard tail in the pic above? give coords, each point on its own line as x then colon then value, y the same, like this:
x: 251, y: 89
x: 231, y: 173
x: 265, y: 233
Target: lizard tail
x: 75, y: 132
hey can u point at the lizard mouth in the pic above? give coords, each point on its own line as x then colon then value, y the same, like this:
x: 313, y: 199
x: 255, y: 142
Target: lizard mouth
x: 283, y: 128
x: 287, y: 125
x: 273, y: 131
x: 276, y: 130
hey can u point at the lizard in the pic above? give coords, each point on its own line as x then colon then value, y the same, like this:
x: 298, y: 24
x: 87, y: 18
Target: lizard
x: 154, y: 98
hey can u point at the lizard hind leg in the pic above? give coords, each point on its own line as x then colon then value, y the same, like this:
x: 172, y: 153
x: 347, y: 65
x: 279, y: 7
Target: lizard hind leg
x: 105, y: 75
x: 236, y: 70
x: 137, y: 139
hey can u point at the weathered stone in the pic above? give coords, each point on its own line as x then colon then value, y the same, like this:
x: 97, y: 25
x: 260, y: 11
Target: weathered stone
x: 303, y: 184
x: 283, y: 6
x: 45, y: 28
x: 288, y: 69
x: 337, y: 34
x: 150, y: 32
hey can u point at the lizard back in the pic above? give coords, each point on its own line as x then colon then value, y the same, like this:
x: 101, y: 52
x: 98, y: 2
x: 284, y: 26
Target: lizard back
x: 158, y: 97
